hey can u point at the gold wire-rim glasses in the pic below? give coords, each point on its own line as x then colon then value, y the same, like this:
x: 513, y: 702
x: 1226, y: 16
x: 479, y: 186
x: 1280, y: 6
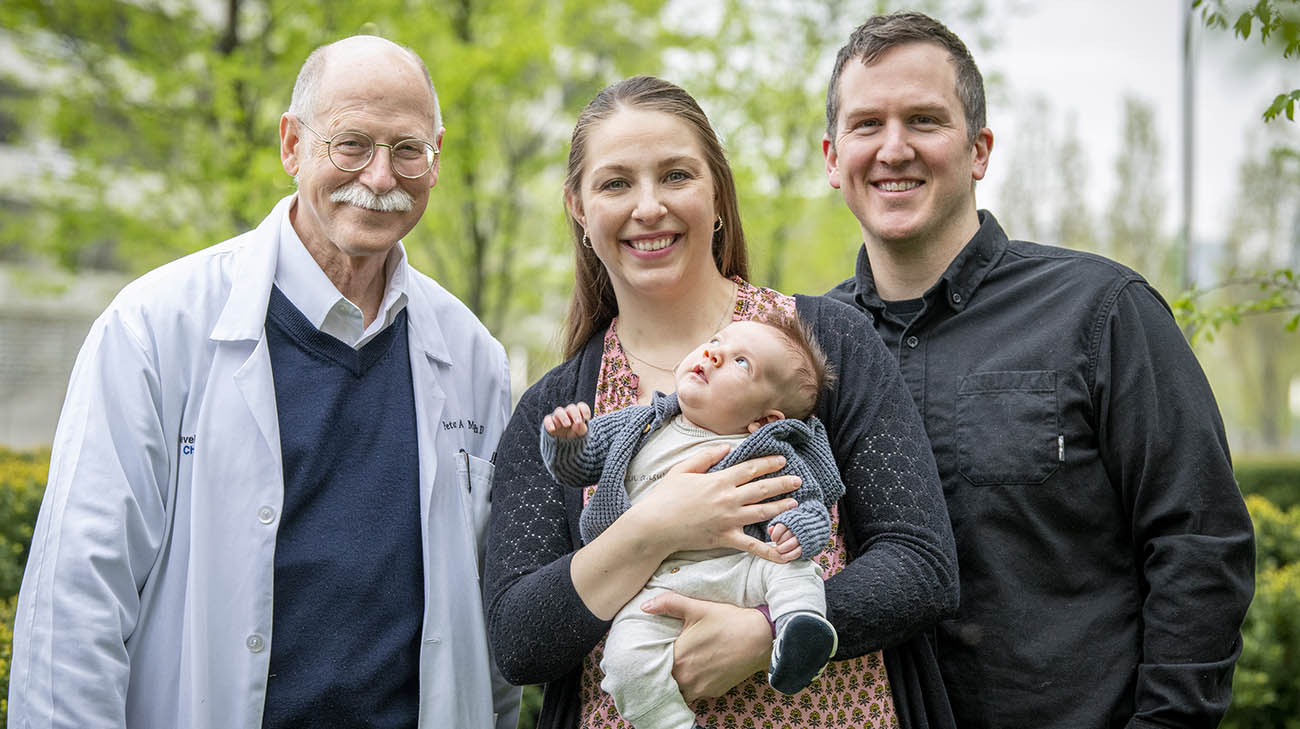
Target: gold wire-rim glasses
x: 430, y: 155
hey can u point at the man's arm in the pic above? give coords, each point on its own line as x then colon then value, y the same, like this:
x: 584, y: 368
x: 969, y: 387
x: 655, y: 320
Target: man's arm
x: 100, y: 527
x: 903, y: 573
x: 1163, y: 445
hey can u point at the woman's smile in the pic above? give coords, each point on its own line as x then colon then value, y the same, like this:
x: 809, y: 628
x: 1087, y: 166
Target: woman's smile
x: 652, y: 243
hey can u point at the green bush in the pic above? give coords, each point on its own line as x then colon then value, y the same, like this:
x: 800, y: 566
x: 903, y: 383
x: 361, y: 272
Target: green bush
x: 7, y: 608
x: 1276, y: 478
x: 1265, y: 693
x: 22, y: 483
x: 530, y: 707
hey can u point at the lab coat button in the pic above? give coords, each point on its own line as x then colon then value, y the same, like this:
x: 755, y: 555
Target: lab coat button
x: 266, y: 515
x: 255, y: 643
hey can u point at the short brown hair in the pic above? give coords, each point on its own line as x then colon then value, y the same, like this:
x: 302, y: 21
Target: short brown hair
x: 812, y: 372
x: 883, y: 32
x: 593, y: 305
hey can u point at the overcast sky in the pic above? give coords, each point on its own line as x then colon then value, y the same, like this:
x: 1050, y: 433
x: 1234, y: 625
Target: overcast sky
x: 1084, y: 57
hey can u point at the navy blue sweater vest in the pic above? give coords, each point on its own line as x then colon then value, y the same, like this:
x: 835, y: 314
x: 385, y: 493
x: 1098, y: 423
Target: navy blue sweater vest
x: 348, y: 600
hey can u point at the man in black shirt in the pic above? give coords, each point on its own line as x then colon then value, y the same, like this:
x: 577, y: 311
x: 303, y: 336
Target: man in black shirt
x: 1106, y: 556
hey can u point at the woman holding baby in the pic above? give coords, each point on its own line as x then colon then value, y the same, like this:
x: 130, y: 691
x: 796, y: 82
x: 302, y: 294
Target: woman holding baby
x: 661, y: 267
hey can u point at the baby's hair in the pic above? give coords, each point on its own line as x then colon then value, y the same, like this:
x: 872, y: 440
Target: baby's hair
x: 812, y: 373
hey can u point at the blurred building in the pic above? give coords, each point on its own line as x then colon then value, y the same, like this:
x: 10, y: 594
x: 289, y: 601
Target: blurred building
x: 44, y: 316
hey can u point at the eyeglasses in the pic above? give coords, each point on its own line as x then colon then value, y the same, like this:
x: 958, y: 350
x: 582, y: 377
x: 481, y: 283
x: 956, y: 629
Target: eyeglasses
x: 352, y: 151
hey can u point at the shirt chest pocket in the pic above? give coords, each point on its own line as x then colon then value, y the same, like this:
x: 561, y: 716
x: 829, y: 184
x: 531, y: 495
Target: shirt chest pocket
x: 1008, y: 427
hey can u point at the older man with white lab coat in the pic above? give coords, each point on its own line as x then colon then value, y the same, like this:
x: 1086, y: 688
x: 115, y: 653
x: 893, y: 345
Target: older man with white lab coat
x: 272, y: 470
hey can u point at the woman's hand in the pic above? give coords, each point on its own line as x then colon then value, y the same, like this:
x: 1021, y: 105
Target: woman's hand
x: 687, y: 509
x: 720, y: 645
x: 692, y: 509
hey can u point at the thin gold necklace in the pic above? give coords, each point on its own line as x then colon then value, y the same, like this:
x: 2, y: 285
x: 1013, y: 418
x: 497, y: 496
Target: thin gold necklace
x: 726, y: 319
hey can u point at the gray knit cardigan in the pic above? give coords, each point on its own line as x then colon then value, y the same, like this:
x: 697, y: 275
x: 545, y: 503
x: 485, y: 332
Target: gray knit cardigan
x: 603, y: 454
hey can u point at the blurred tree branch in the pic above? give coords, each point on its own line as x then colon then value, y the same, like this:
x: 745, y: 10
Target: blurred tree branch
x: 1278, y: 23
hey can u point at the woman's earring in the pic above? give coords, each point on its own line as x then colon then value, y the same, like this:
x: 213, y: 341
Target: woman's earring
x: 585, y: 240
x: 718, y: 224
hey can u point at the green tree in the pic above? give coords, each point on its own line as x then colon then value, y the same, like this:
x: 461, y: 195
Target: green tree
x: 1255, y: 365
x: 1075, y: 225
x: 1263, y: 248
x: 1025, y: 196
x: 160, y: 120
x: 1135, y: 217
x: 513, y: 76
x: 1278, y: 24
x: 147, y: 119
x: 1044, y: 193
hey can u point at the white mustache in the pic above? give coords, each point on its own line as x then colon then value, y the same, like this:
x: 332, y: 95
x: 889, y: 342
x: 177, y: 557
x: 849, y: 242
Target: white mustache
x: 395, y: 200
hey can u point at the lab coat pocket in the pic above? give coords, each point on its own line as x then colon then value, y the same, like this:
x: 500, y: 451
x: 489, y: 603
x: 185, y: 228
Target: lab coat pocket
x: 475, y: 478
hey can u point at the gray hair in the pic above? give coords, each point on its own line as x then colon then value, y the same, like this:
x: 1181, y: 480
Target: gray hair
x: 883, y: 32
x: 307, y: 87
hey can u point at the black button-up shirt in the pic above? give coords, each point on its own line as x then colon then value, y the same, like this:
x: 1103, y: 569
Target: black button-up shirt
x: 1106, y: 555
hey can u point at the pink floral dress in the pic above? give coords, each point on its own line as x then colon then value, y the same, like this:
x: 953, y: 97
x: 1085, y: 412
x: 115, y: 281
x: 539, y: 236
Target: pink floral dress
x: 852, y: 694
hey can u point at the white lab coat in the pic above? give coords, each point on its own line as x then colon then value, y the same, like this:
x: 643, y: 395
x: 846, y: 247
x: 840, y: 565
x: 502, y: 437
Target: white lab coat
x: 147, y: 597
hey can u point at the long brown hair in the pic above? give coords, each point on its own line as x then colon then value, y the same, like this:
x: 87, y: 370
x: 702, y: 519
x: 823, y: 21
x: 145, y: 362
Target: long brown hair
x: 593, y: 305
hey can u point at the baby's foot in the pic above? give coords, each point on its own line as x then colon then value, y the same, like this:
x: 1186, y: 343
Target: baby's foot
x: 805, y: 644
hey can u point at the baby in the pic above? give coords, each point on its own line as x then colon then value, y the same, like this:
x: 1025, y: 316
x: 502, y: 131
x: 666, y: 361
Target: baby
x: 750, y: 386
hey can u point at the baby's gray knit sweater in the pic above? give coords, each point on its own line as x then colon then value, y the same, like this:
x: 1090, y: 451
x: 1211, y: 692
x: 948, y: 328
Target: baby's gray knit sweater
x: 603, y: 455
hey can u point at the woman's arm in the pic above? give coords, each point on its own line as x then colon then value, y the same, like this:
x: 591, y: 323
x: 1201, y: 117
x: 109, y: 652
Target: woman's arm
x: 537, y: 624
x: 549, y: 605
x: 902, y: 577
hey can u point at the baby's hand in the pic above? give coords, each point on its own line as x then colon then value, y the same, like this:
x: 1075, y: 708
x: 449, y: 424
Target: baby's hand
x: 568, y: 421
x: 786, y: 542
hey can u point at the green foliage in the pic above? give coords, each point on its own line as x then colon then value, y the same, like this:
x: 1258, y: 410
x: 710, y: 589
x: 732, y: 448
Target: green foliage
x: 1265, y: 692
x: 1278, y: 22
x: 156, y: 122
x: 1259, y: 293
x: 1275, y: 478
x: 22, y: 484
x: 7, y: 608
x: 1262, y: 227
x: 1283, y: 102
x: 1133, y: 218
x: 160, y: 121
x: 530, y: 707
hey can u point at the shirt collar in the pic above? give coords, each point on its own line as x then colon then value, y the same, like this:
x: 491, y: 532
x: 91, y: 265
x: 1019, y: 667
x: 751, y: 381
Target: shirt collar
x: 302, y: 281
x: 958, y: 283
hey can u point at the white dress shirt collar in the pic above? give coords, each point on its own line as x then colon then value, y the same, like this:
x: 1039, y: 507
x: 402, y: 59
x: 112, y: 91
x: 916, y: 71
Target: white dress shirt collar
x: 302, y: 281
